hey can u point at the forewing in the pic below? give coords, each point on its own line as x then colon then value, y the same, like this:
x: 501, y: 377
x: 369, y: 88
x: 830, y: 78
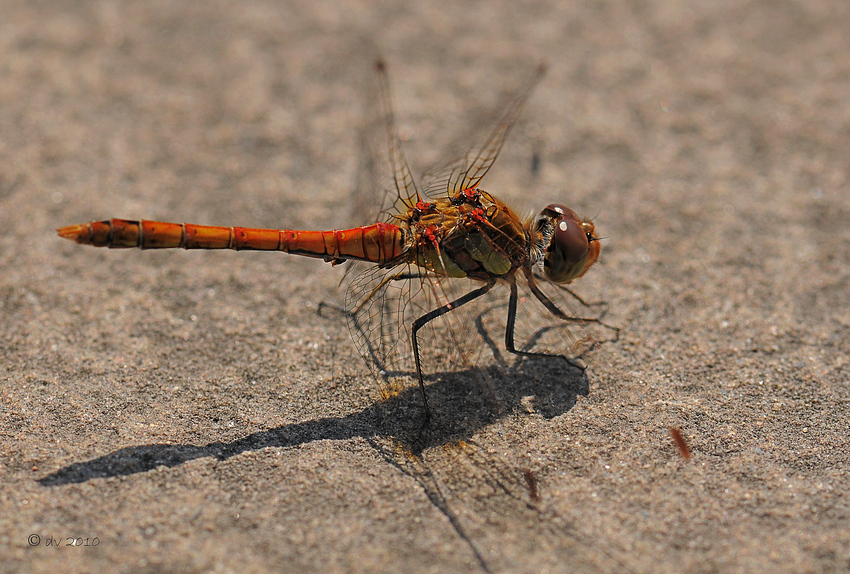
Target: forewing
x: 385, y: 187
x: 406, y: 191
x: 472, y: 157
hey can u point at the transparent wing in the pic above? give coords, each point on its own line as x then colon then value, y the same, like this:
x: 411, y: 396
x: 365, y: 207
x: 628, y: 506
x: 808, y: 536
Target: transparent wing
x: 459, y: 346
x: 385, y: 186
x: 471, y: 158
x: 466, y: 347
x: 382, y: 305
x: 580, y: 337
x: 406, y: 191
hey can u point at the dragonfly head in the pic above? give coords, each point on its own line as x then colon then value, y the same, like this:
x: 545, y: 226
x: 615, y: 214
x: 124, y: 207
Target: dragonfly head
x: 573, y: 246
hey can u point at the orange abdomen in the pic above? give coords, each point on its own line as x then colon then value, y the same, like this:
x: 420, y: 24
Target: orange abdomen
x: 377, y: 243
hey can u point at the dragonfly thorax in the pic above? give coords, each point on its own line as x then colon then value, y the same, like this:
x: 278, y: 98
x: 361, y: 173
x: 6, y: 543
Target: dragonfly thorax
x: 470, y: 235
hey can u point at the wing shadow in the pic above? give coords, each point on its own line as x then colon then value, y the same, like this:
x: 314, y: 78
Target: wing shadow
x: 460, y: 408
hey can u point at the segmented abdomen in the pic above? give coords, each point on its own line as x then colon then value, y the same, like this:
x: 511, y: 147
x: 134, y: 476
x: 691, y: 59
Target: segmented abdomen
x: 377, y: 243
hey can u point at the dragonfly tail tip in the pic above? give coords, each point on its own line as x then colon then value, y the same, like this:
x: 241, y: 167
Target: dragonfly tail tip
x: 77, y: 233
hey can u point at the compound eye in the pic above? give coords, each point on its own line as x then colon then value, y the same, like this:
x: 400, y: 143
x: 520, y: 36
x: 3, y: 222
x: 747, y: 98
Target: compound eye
x: 573, y: 247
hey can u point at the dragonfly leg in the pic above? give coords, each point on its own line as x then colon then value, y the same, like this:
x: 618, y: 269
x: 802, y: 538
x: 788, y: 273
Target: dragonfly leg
x: 511, y: 325
x: 532, y: 284
x: 576, y: 296
x: 424, y: 320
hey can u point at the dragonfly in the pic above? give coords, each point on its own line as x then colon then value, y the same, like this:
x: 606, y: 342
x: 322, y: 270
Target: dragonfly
x: 437, y: 246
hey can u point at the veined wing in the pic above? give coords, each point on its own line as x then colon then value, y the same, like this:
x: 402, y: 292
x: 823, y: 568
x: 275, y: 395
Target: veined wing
x: 385, y: 186
x: 462, y: 345
x: 471, y: 159
x: 406, y: 191
x: 383, y: 304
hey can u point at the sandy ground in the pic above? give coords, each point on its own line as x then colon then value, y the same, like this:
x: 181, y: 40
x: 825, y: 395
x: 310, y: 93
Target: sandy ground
x: 192, y: 412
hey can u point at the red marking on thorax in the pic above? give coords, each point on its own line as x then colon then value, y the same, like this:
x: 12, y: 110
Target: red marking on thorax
x: 425, y: 207
x: 431, y: 233
x: 477, y: 214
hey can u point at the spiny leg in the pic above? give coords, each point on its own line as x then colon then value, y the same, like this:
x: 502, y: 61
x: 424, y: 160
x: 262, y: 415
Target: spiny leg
x: 424, y: 320
x: 600, y: 304
x: 575, y: 295
x: 511, y: 325
x: 532, y: 284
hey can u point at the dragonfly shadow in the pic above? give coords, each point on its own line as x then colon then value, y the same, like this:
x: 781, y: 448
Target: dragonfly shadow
x: 460, y: 407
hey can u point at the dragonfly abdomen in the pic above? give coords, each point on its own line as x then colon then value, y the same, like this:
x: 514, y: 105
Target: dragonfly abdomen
x: 377, y: 243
